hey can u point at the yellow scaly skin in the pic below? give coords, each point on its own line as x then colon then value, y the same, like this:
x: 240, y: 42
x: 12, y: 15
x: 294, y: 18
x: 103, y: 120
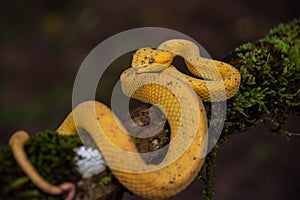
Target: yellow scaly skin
x: 222, y: 78
x: 157, y: 82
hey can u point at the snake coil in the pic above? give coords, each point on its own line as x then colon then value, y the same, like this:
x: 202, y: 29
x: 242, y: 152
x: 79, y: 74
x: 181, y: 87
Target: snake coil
x: 154, y: 80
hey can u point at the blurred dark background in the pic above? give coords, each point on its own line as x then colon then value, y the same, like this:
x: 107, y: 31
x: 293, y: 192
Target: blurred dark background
x: 43, y: 43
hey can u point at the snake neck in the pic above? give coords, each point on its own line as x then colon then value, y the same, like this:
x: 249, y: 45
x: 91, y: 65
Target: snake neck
x: 179, y: 47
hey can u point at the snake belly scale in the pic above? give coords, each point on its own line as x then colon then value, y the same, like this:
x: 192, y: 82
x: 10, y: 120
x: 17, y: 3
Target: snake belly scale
x: 154, y: 80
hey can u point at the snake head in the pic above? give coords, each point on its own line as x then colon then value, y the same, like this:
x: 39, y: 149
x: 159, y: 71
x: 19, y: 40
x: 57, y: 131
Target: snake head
x: 147, y: 57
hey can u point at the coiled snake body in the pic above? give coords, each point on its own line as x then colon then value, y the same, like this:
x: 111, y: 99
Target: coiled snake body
x: 154, y: 80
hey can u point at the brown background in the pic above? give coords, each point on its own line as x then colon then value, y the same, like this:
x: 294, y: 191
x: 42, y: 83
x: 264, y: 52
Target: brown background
x: 43, y: 43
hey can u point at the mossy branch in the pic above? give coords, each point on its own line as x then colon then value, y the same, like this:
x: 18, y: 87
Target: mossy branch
x: 270, y: 71
x: 269, y: 92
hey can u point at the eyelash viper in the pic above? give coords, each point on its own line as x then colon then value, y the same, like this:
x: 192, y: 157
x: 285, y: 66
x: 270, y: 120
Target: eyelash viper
x: 187, y: 119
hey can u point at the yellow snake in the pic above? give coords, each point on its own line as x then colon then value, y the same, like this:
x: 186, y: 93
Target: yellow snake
x: 154, y: 80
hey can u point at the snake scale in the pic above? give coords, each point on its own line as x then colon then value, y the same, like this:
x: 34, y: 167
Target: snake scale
x: 152, y: 79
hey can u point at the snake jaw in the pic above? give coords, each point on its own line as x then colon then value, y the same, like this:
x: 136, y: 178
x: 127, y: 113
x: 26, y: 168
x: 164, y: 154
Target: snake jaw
x: 151, y: 68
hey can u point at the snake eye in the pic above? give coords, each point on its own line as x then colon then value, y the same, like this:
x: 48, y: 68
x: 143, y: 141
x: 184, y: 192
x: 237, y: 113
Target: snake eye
x: 151, y: 60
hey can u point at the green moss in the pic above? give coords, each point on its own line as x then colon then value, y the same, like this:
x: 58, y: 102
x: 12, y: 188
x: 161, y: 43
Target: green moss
x: 105, y: 180
x: 164, y: 138
x: 135, y: 140
x: 48, y: 152
x: 270, y: 71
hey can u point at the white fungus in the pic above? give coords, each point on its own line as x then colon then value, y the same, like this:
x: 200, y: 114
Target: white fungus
x: 89, y: 161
